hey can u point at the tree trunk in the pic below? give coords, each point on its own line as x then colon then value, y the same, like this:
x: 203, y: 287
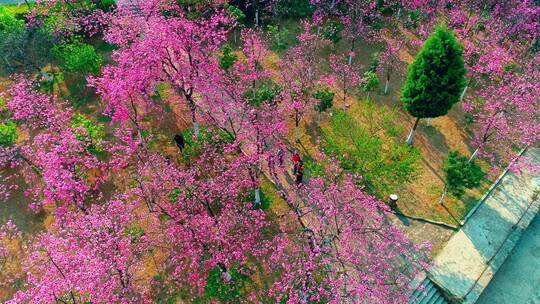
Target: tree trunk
x: 350, y: 53
x: 463, y: 93
x: 297, y: 127
x: 410, y: 138
x: 257, y: 17
x: 196, y: 129
x: 139, y: 134
x: 257, y: 197
x: 386, y: 84
x: 474, y: 155
x: 318, y: 29
x: 445, y: 191
x: 399, y: 13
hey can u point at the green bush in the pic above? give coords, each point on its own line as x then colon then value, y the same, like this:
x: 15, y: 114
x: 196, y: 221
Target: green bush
x: 193, y: 146
x: 278, y: 37
x: 374, y: 65
x: 312, y: 169
x: 8, y: 22
x: 436, y: 78
x: 134, y: 233
x: 225, y: 292
x: 8, y: 134
x: 22, y: 48
x: 332, y: 30
x: 237, y: 13
x: 265, y: 93
x: 78, y: 57
x: 89, y: 132
x: 461, y: 174
x: 106, y: 5
x: 370, y: 82
x: 227, y: 58
x: 325, y: 97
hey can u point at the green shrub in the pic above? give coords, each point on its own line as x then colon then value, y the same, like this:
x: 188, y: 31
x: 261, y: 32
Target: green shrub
x: 227, y: 58
x: 265, y: 93
x: 325, y: 97
x: 89, y: 131
x: 78, y: 57
x: 193, y: 146
x: 332, y: 30
x: 8, y: 22
x: 374, y: 65
x: 436, y: 78
x: 8, y: 134
x: 312, y: 169
x: 237, y: 13
x: 135, y: 233
x: 225, y: 292
x: 461, y: 174
x: 370, y: 82
x: 106, y: 5
x: 278, y: 37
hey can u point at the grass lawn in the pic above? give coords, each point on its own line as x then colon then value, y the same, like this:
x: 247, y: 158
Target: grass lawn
x: 14, y: 9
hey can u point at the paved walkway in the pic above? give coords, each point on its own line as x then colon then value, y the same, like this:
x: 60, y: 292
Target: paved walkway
x: 518, y: 279
x: 473, y: 255
x: 419, y: 231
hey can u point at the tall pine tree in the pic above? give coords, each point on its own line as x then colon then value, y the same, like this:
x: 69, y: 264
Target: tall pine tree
x: 435, y: 79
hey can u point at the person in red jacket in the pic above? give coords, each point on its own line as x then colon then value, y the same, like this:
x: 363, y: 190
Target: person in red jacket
x: 295, y: 159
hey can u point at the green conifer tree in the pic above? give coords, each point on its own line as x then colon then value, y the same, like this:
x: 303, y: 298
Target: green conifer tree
x: 435, y: 79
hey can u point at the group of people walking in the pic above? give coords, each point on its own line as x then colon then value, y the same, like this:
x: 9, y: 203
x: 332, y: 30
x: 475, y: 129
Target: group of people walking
x: 298, y: 167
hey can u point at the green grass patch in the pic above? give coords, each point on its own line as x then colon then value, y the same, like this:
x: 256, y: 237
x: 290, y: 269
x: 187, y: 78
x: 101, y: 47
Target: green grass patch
x: 365, y: 141
x: 283, y: 34
x: 16, y: 10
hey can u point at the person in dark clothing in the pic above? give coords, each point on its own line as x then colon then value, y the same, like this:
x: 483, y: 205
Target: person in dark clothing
x: 280, y: 158
x: 296, y: 160
x: 299, y: 172
x: 179, y: 140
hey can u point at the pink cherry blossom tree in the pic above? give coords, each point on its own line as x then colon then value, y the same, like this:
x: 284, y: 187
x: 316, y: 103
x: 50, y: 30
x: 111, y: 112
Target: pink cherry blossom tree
x: 344, y: 248
x: 205, y: 220
x: 506, y: 114
x: 389, y: 61
x: 345, y: 76
x: 300, y: 75
x: 88, y: 257
x: 58, y: 162
x: 172, y: 49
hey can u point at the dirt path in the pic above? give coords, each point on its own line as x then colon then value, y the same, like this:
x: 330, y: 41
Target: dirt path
x: 417, y: 231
